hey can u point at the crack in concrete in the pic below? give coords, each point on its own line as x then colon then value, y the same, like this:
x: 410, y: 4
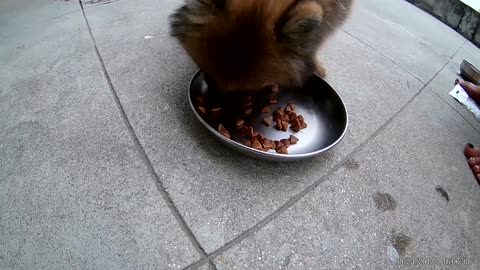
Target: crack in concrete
x: 143, y: 155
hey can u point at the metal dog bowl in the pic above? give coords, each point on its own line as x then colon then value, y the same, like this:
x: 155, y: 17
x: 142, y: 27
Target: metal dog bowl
x: 470, y: 72
x: 322, y: 108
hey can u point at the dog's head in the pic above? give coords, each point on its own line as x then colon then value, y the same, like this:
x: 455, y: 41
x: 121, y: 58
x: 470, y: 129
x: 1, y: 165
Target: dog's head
x: 250, y: 44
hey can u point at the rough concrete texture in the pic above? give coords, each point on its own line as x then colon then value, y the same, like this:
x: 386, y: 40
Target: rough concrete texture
x: 385, y: 197
x: 77, y: 192
x: 420, y: 46
x: 18, y: 15
x: 74, y: 192
x: 229, y: 197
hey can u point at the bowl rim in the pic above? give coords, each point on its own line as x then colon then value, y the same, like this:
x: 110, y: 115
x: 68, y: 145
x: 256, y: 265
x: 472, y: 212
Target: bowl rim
x: 470, y: 65
x: 263, y: 153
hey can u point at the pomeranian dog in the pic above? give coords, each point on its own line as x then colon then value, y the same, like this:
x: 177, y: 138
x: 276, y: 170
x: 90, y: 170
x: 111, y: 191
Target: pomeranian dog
x: 253, y: 44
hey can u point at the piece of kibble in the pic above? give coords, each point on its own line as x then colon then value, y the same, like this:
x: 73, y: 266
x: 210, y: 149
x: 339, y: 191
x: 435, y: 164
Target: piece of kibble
x: 259, y: 136
x: 247, y: 132
x: 275, y: 89
x: 285, y: 142
x: 296, y: 125
x: 278, y: 144
x: 239, y: 122
x: 266, y: 109
x: 216, y: 109
x: 288, y: 109
x: 284, y: 125
x: 272, y: 100
x: 293, y: 139
x: 223, y: 131
x: 282, y: 150
x: 279, y: 124
x: 300, y: 117
x: 291, y: 106
x: 256, y: 144
x: 286, y: 118
x: 248, y: 111
x: 278, y: 114
x: 304, y: 125
x: 248, y: 143
x: 293, y: 116
x: 201, y: 109
x: 268, y: 120
x: 268, y: 144
x: 200, y: 99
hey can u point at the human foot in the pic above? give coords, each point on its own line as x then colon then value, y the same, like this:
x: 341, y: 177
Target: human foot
x: 473, y: 155
x: 472, y: 90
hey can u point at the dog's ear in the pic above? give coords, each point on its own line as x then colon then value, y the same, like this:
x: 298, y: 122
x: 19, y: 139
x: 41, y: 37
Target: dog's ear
x: 194, y: 14
x: 299, y: 29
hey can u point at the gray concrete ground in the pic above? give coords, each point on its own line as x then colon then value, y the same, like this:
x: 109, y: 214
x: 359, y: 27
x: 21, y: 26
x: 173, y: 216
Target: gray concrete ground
x: 90, y: 177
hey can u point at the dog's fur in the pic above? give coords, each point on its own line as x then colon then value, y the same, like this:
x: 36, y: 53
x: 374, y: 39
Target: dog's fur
x: 251, y: 44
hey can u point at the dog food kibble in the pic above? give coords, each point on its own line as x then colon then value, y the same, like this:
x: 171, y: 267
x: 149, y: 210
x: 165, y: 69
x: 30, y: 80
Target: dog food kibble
x: 201, y: 109
x: 259, y: 136
x: 248, y: 132
x: 285, y: 142
x: 288, y: 109
x: 200, y: 99
x: 268, y: 120
x: 282, y: 150
x: 278, y: 114
x: 291, y: 106
x: 282, y: 124
x: 223, y: 131
x: 266, y: 109
x: 293, y: 116
x: 256, y: 144
x: 268, y: 144
x: 278, y: 144
x: 279, y: 124
x: 293, y: 139
x: 239, y: 122
x: 296, y: 125
x: 248, y: 111
x: 242, y: 132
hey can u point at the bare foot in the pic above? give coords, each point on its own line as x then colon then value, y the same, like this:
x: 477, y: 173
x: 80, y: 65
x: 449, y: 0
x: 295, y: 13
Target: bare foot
x: 472, y: 90
x: 473, y: 155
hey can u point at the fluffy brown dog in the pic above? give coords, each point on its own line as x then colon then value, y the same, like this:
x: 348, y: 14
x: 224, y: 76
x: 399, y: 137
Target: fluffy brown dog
x: 252, y: 44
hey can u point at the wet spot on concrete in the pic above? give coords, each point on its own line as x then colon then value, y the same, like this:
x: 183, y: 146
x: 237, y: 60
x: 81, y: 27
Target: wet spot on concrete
x: 443, y: 193
x: 286, y: 262
x: 401, y: 242
x: 352, y: 165
x: 384, y: 201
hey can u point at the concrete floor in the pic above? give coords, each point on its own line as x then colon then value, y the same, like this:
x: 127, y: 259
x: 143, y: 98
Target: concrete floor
x: 103, y: 166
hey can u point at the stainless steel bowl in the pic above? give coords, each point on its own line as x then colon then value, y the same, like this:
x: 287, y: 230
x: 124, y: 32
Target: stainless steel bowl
x: 470, y: 72
x: 317, y: 101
